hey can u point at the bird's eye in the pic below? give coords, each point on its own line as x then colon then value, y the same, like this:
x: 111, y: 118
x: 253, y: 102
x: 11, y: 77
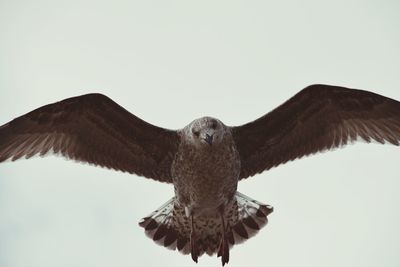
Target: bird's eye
x: 196, y: 133
x: 213, y: 125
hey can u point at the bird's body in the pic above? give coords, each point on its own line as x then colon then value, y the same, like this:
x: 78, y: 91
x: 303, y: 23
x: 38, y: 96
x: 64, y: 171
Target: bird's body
x: 205, y: 173
x: 205, y: 176
x: 206, y: 159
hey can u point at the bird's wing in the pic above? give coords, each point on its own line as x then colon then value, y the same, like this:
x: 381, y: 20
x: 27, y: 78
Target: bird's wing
x: 319, y: 117
x: 92, y: 128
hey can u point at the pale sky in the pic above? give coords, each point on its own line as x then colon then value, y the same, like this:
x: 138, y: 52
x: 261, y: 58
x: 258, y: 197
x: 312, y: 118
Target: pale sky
x: 170, y: 62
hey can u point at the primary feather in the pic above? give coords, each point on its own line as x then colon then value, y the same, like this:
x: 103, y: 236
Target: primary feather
x: 92, y: 128
x: 318, y: 118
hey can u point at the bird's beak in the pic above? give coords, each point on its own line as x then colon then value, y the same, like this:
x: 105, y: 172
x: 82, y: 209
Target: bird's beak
x: 209, y: 139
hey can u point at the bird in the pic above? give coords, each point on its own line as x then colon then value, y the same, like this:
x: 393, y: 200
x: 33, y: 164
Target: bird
x: 205, y: 160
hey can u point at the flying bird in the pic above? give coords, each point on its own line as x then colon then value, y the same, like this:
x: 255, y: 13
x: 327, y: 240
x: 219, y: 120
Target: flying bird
x: 206, y: 159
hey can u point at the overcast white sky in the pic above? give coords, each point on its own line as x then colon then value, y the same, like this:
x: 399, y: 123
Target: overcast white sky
x: 169, y: 62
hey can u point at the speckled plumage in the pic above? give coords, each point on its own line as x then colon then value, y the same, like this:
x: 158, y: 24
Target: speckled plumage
x: 206, y: 159
x: 169, y: 226
x: 205, y: 176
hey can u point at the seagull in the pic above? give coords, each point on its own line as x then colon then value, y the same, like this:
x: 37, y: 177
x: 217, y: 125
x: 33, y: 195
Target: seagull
x: 206, y: 159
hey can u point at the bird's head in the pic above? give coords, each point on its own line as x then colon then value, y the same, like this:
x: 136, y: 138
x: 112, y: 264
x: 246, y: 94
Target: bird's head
x: 205, y: 131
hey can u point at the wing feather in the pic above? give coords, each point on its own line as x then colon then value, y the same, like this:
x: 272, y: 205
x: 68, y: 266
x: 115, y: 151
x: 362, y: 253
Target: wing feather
x: 318, y: 118
x: 92, y: 128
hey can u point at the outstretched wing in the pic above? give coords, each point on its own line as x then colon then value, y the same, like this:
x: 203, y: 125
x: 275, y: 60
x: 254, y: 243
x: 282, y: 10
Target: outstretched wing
x: 92, y: 128
x: 319, y: 117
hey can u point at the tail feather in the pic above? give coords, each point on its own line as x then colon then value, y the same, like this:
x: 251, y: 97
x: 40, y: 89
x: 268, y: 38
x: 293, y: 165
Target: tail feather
x: 170, y: 227
x: 159, y: 227
x: 252, y: 216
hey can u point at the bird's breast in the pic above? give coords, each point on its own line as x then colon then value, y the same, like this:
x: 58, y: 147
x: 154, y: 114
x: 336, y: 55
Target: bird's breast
x: 206, y: 179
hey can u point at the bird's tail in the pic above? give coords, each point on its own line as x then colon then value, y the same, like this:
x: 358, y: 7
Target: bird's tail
x: 170, y: 227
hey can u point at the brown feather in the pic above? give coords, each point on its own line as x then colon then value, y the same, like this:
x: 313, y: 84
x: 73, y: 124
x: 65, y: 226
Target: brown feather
x: 92, y: 128
x: 319, y: 117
